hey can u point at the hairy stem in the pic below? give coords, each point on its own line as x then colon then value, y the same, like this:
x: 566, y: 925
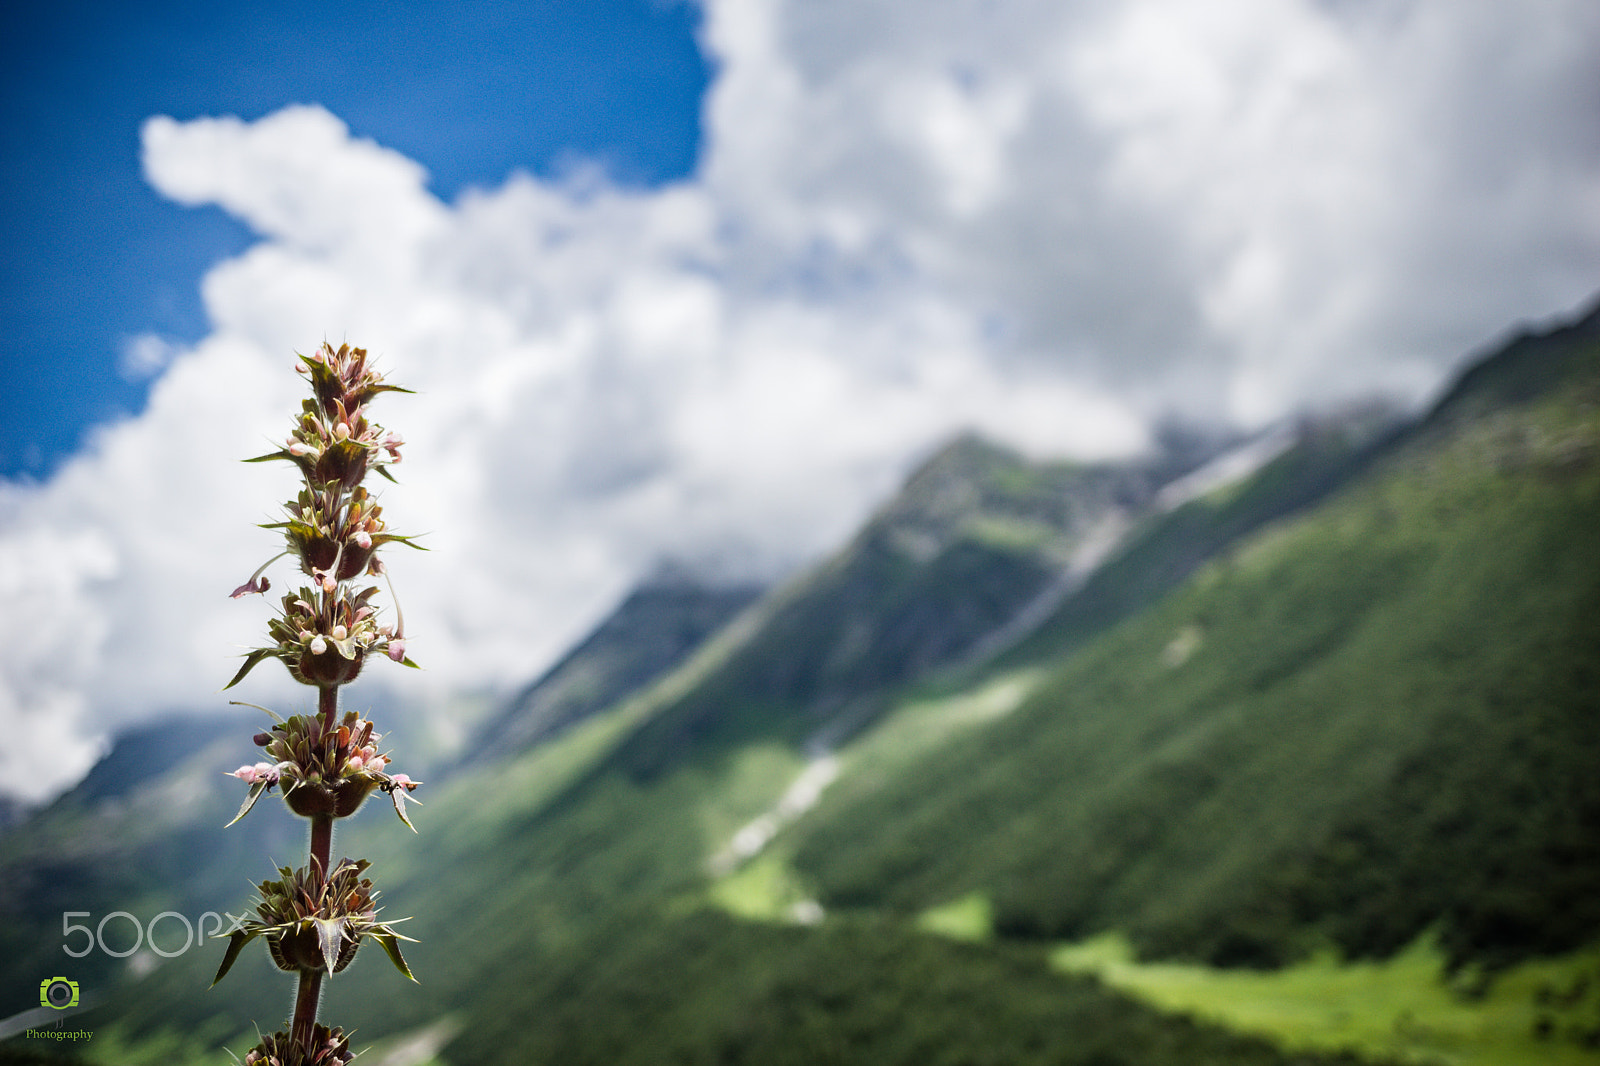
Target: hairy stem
x: 305, y: 1008
x: 305, y: 1003
x: 327, y: 709
x: 321, y: 843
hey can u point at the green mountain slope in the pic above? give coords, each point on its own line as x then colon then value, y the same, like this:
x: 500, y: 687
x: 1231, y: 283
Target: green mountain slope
x: 1194, y: 777
x: 1374, y: 718
x: 1346, y: 699
x: 578, y: 932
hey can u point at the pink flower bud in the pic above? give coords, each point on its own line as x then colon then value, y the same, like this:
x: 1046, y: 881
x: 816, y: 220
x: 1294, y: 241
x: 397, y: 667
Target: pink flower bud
x: 355, y: 762
x: 342, y: 431
x: 318, y: 645
x: 397, y: 650
x: 363, y: 540
x: 299, y: 448
x: 339, y: 633
x: 258, y: 584
x: 252, y: 775
x: 328, y: 583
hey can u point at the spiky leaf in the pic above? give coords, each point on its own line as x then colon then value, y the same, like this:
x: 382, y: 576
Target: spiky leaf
x: 384, y: 538
x: 250, y: 801
x: 236, y: 944
x: 391, y: 944
x: 250, y: 662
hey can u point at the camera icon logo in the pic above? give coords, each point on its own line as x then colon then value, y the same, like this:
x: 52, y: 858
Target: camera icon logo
x: 59, y: 993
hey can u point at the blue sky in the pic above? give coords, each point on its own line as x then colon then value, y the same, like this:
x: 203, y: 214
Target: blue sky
x: 701, y: 283
x: 94, y: 256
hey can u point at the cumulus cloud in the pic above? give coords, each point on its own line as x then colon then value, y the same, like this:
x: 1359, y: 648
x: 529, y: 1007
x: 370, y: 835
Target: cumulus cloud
x: 1049, y: 221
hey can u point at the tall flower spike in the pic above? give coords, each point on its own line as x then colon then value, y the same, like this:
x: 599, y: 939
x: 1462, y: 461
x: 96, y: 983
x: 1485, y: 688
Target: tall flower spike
x: 316, y: 917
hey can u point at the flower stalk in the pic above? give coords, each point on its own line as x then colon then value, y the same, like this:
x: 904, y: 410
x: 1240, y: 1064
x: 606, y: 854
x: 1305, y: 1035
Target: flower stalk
x: 325, y: 765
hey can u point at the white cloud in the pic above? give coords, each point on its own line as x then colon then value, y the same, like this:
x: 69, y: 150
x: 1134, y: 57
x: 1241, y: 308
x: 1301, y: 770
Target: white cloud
x: 1047, y: 220
x: 1229, y: 207
x: 145, y: 356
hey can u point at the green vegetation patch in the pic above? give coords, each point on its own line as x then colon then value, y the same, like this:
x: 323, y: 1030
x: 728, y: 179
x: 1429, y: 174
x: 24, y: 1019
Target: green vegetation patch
x: 766, y: 889
x: 969, y: 918
x: 1409, y: 1007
